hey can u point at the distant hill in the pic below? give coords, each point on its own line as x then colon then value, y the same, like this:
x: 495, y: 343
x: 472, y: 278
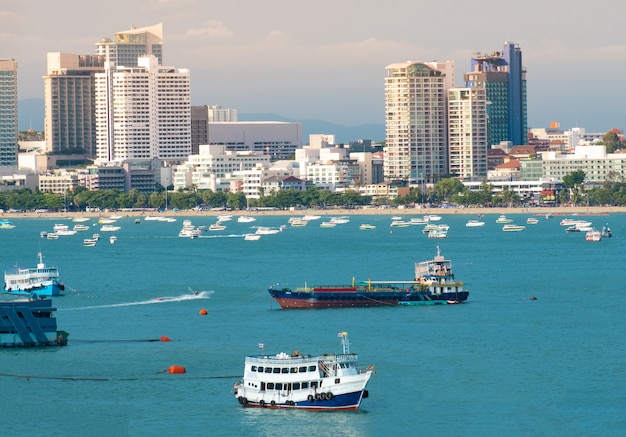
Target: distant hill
x: 343, y: 134
x: 31, y: 116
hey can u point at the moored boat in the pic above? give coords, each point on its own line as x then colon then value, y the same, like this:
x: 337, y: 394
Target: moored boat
x: 366, y: 226
x: 433, y: 281
x: 317, y: 383
x: 40, y: 280
x: 503, y: 219
x: 593, y: 235
x: 513, y: 228
x: 474, y: 223
x: 29, y: 323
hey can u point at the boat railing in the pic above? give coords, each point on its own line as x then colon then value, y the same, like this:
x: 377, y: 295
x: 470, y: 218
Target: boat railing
x: 270, y: 359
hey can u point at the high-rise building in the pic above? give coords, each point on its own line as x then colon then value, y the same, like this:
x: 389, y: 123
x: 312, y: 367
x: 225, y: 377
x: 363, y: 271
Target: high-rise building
x: 199, y: 127
x: 143, y: 112
x: 219, y: 114
x: 8, y: 112
x: 467, y: 133
x: 131, y: 44
x: 416, y: 121
x: 69, y: 103
x: 504, y: 79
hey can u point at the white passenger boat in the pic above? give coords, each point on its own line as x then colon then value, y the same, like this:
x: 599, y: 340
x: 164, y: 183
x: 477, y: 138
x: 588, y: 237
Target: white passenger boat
x: 323, y: 382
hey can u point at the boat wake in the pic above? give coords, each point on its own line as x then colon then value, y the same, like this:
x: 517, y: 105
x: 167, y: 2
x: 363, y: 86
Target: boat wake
x: 158, y: 300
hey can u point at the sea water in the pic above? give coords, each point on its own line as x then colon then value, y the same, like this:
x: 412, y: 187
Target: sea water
x: 500, y: 364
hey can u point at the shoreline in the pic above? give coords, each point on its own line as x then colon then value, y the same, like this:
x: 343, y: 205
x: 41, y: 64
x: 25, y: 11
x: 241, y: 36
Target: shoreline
x: 539, y: 211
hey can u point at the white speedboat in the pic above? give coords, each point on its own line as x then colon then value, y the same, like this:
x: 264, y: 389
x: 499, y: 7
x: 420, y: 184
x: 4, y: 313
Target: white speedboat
x: 252, y: 237
x: 245, y: 219
x: 322, y: 382
x: 474, y: 223
x: 513, y: 228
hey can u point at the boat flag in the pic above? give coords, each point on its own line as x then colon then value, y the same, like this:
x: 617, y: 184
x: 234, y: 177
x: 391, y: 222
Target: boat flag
x: 261, y: 345
x: 342, y: 334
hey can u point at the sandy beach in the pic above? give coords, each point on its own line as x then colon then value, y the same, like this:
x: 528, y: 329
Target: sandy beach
x: 539, y: 211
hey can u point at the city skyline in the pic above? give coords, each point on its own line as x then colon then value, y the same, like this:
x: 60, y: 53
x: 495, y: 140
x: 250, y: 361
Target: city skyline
x: 326, y: 61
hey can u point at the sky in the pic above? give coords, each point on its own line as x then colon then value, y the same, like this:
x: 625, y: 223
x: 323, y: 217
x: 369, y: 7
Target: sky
x: 325, y: 60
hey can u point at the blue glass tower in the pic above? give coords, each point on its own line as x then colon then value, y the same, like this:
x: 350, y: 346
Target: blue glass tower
x: 504, y: 79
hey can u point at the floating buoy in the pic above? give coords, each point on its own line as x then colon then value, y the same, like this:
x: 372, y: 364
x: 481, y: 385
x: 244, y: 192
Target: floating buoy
x: 164, y: 338
x: 177, y: 369
x: 203, y: 312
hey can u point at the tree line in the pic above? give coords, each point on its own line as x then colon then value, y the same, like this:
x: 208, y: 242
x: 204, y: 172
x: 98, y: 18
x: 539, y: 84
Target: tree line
x: 448, y: 190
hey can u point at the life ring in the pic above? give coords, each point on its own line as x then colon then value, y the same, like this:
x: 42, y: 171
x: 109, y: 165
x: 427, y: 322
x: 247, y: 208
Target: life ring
x: 244, y: 401
x: 310, y: 398
x: 329, y: 396
x: 273, y: 403
x: 323, y: 396
x: 240, y: 399
x: 262, y: 403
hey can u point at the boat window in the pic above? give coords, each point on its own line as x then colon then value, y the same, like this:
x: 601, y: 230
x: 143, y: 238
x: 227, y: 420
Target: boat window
x: 337, y: 380
x: 312, y: 368
x: 268, y: 370
x: 305, y: 385
x: 302, y: 369
x: 253, y: 368
x: 276, y: 370
x: 313, y: 384
x: 270, y: 386
x: 261, y: 369
x: 279, y: 386
x: 293, y: 370
x: 285, y: 370
x: 296, y: 386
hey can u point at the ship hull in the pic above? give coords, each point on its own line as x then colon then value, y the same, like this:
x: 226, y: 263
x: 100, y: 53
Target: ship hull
x: 295, y: 300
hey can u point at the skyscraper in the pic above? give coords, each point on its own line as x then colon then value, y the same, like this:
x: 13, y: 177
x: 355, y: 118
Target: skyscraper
x: 8, y: 112
x: 69, y: 103
x: 416, y: 121
x: 503, y: 77
x: 467, y: 133
x: 131, y: 44
x: 143, y: 112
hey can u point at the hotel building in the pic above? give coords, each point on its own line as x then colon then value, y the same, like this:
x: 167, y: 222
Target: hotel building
x: 143, y: 112
x: 416, y: 121
x: 467, y: 133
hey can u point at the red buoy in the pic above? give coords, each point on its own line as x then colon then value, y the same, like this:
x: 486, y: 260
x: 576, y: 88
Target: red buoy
x: 177, y: 369
x: 203, y: 312
x: 164, y: 338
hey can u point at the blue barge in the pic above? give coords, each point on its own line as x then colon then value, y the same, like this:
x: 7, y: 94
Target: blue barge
x: 29, y: 323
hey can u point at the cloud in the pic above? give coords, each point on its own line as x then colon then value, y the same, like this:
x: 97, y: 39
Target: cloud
x: 213, y: 28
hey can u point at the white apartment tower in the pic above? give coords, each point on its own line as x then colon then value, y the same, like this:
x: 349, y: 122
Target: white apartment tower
x: 143, y: 112
x: 415, y: 118
x: 467, y: 133
x: 8, y: 112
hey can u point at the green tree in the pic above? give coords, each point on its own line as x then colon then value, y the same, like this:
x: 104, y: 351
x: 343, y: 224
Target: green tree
x: 611, y: 141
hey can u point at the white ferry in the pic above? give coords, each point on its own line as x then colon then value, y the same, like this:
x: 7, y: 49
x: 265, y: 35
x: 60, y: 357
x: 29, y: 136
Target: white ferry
x: 324, y: 382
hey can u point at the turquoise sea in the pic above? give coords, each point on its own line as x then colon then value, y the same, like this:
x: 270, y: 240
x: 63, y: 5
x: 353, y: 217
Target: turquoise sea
x: 499, y: 365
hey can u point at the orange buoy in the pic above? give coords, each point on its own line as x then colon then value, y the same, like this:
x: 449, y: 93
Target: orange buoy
x: 177, y: 369
x: 164, y: 338
x: 203, y: 312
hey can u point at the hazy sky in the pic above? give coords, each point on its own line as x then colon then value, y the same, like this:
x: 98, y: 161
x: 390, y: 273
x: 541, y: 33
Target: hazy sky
x: 326, y: 59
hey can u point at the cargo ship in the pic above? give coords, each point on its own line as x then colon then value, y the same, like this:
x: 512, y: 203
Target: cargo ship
x: 433, y: 284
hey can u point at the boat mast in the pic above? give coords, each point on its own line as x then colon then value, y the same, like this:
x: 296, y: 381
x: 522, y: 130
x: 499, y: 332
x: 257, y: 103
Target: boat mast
x: 345, y: 343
